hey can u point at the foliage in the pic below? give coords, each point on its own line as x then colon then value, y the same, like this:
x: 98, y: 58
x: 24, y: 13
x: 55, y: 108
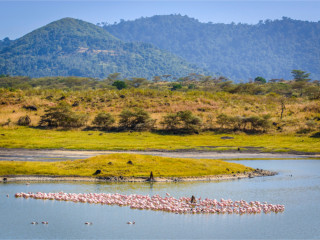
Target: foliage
x: 70, y: 47
x: 300, y: 76
x: 62, y: 116
x: 183, y: 120
x: 244, y: 123
x: 271, y: 48
x: 260, y: 80
x: 176, y: 86
x: 104, y: 120
x: 119, y: 84
x: 138, y: 119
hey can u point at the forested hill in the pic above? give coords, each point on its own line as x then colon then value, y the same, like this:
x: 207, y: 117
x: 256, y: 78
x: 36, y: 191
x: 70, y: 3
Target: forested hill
x: 77, y: 48
x: 270, y: 49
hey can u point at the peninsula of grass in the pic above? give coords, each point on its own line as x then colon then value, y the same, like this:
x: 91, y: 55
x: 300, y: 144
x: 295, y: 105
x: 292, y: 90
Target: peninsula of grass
x: 115, y: 165
x: 32, y: 138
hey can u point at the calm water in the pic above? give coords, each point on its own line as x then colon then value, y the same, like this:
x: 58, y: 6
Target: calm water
x: 300, y: 193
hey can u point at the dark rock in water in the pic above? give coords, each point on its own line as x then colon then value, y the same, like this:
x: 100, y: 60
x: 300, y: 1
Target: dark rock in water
x: 250, y: 175
x: 130, y: 162
x: 5, y: 180
x: 227, y: 137
x: 97, y: 172
x: 31, y: 108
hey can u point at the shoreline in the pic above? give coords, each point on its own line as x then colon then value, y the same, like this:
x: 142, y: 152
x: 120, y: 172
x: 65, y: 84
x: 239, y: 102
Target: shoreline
x: 44, y: 178
x: 243, y: 150
x: 52, y: 155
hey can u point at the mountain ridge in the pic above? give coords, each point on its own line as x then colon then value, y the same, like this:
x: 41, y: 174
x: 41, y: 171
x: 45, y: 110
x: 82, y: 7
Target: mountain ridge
x: 74, y: 47
x: 239, y: 51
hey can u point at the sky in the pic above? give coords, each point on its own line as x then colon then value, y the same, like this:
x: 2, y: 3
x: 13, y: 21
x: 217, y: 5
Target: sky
x: 18, y: 18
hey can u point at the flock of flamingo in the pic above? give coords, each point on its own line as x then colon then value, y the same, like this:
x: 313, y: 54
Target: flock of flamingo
x: 158, y: 203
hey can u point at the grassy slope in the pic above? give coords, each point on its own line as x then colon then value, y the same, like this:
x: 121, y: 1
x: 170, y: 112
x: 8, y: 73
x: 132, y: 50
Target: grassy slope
x: 142, y: 165
x: 34, y: 138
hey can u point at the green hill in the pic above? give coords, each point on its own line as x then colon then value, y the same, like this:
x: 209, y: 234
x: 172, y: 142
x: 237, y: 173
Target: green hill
x: 240, y: 51
x: 74, y: 47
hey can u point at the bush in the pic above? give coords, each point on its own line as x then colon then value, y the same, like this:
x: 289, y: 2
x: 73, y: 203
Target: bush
x: 104, y: 120
x: 255, y: 123
x: 63, y: 116
x: 182, y: 120
x: 138, y: 119
x: 24, y: 121
x: 119, y: 84
x: 176, y: 86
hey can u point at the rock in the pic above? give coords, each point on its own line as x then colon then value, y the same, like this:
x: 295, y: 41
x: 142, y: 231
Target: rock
x: 5, y: 180
x: 130, y: 162
x: 97, y: 172
x: 227, y: 137
x: 31, y: 108
x: 75, y: 104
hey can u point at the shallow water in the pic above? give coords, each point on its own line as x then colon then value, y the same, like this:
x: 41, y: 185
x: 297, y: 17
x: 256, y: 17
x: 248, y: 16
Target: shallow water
x: 297, y: 186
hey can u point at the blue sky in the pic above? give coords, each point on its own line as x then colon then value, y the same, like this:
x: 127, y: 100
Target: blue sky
x: 20, y: 17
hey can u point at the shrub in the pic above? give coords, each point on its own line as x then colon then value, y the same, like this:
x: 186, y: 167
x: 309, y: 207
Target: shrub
x: 119, y: 84
x: 242, y: 123
x: 182, y: 120
x: 138, y: 119
x: 103, y: 120
x: 63, y: 116
x: 176, y: 86
x: 24, y: 121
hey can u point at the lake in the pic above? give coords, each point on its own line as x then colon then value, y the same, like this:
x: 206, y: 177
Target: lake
x: 297, y: 186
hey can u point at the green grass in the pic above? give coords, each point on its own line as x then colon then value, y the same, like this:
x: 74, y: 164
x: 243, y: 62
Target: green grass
x: 23, y: 137
x: 141, y: 167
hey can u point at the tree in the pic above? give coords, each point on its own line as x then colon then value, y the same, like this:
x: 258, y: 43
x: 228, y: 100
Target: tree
x: 62, y: 116
x: 138, y: 119
x: 260, y: 80
x: 119, y: 84
x: 183, y: 120
x: 137, y: 82
x: 176, y: 86
x: 103, y: 120
x: 300, y: 76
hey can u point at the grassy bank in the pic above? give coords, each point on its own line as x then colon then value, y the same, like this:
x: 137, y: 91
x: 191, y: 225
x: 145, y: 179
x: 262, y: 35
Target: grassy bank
x: 24, y: 137
x: 117, y: 165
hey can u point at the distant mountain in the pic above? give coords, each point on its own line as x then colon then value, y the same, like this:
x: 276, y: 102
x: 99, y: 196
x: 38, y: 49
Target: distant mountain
x: 74, y: 47
x: 270, y: 49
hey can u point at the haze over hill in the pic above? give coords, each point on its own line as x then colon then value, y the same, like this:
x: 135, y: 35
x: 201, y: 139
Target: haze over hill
x: 240, y: 51
x: 78, y: 48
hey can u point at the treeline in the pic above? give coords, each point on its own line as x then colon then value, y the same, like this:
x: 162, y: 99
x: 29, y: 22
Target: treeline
x: 300, y: 85
x: 137, y: 119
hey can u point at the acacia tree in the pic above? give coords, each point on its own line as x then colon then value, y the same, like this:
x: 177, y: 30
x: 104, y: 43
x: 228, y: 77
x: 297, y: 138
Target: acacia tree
x: 300, y: 76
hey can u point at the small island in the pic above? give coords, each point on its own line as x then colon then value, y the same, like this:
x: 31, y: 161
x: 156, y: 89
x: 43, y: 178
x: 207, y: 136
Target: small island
x: 128, y: 168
